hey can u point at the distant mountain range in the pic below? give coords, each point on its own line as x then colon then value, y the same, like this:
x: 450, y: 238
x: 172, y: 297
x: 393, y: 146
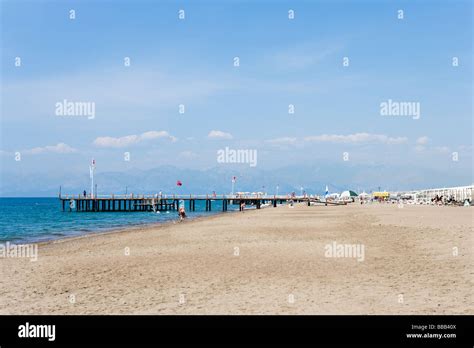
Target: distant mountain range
x: 312, y: 178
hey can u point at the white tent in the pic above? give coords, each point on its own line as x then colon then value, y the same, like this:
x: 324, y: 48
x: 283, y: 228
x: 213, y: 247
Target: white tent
x: 348, y: 194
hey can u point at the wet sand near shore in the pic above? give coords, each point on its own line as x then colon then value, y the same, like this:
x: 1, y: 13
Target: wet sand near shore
x: 417, y: 260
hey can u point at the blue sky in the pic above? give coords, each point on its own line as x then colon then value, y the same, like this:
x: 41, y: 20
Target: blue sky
x: 282, y: 62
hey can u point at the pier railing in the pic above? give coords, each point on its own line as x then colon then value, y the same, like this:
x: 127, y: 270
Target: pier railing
x: 166, y: 202
x: 184, y: 197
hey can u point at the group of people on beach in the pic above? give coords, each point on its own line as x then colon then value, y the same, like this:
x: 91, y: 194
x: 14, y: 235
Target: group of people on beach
x: 437, y: 199
x: 440, y: 200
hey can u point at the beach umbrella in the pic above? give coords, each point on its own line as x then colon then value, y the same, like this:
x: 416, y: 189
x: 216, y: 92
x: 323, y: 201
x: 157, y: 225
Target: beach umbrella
x: 349, y: 193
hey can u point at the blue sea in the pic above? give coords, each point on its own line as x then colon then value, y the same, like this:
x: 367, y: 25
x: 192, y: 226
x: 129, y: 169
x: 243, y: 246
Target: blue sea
x: 25, y: 220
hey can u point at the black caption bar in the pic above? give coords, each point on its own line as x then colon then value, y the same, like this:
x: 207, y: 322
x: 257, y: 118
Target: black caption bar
x: 447, y: 331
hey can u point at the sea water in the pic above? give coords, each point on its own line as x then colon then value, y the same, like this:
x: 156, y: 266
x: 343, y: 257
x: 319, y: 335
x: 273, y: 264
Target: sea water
x: 24, y: 220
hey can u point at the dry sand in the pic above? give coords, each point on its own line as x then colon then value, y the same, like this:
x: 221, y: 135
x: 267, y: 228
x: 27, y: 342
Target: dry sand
x: 409, y: 267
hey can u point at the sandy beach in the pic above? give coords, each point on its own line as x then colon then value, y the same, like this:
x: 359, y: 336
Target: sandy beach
x: 417, y: 260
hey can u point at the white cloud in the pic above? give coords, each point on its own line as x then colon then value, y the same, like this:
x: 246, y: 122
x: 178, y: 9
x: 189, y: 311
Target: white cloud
x: 282, y: 141
x: 217, y: 134
x: 302, y: 56
x: 419, y: 148
x: 5, y: 153
x: 157, y: 135
x: 357, y: 138
x: 61, y: 148
x: 422, y: 140
x: 114, y: 92
x: 441, y: 149
x: 132, y: 139
x: 188, y: 155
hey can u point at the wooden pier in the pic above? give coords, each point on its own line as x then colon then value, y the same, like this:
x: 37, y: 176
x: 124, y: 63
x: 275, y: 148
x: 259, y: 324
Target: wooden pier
x: 143, y: 203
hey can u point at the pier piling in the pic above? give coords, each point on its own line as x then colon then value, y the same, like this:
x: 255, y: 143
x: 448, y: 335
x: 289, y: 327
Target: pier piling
x: 142, y: 203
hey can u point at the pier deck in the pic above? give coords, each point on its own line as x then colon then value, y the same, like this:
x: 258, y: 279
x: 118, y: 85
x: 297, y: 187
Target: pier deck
x: 140, y: 203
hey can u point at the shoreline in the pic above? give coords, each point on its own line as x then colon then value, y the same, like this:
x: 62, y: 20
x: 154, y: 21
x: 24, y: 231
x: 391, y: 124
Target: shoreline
x: 78, y: 234
x: 125, y: 229
x: 138, y: 227
x: 251, y: 262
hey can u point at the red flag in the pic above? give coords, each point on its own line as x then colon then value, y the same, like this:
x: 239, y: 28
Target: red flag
x: 179, y: 183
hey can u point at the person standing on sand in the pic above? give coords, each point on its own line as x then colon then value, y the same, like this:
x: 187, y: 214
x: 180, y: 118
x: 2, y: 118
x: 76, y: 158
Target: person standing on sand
x: 182, y: 214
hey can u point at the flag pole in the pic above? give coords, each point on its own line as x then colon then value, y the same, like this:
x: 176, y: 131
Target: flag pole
x: 91, y: 170
x: 233, y: 182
